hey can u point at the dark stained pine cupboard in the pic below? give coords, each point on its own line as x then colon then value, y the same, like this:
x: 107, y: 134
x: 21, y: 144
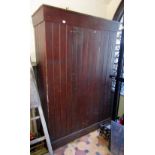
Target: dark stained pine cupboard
x: 74, y: 53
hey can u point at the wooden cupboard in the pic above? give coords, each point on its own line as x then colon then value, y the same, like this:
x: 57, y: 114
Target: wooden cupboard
x: 74, y: 54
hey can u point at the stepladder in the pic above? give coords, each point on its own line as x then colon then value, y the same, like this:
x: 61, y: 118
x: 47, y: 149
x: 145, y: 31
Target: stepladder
x: 35, y: 103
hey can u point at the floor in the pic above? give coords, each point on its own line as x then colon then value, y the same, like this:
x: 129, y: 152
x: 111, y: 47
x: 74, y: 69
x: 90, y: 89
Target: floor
x: 90, y: 144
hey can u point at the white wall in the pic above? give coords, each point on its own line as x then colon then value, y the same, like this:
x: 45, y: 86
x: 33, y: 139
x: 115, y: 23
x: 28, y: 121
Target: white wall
x: 121, y: 106
x: 111, y: 8
x: 92, y: 7
x: 99, y: 8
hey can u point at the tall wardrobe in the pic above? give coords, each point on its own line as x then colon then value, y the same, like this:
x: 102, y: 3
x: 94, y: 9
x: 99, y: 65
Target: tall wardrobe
x: 74, y: 54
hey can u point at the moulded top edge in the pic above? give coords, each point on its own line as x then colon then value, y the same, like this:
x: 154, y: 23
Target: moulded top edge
x: 46, y: 12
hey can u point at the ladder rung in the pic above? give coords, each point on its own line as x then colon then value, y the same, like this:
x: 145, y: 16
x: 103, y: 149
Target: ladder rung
x: 37, y: 140
x: 36, y: 146
x: 34, y: 118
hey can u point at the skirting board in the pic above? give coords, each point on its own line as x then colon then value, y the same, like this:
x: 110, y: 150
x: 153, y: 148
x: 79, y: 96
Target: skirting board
x: 62, y: 141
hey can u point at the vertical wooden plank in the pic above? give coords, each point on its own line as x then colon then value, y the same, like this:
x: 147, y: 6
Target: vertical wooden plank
x: 82, y: 78
x: 64, y: 107
x: 73, y: 75
x: 97, y: 74
x: 50, y: 73
x: 103, y: 57
x: 56, y: 73
x: 91, y: 76
x: 104, y: 73
x: 69, y: 94
x: 111, y: 47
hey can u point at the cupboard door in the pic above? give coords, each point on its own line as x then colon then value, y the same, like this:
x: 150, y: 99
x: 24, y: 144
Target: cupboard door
x: 92, y: 54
